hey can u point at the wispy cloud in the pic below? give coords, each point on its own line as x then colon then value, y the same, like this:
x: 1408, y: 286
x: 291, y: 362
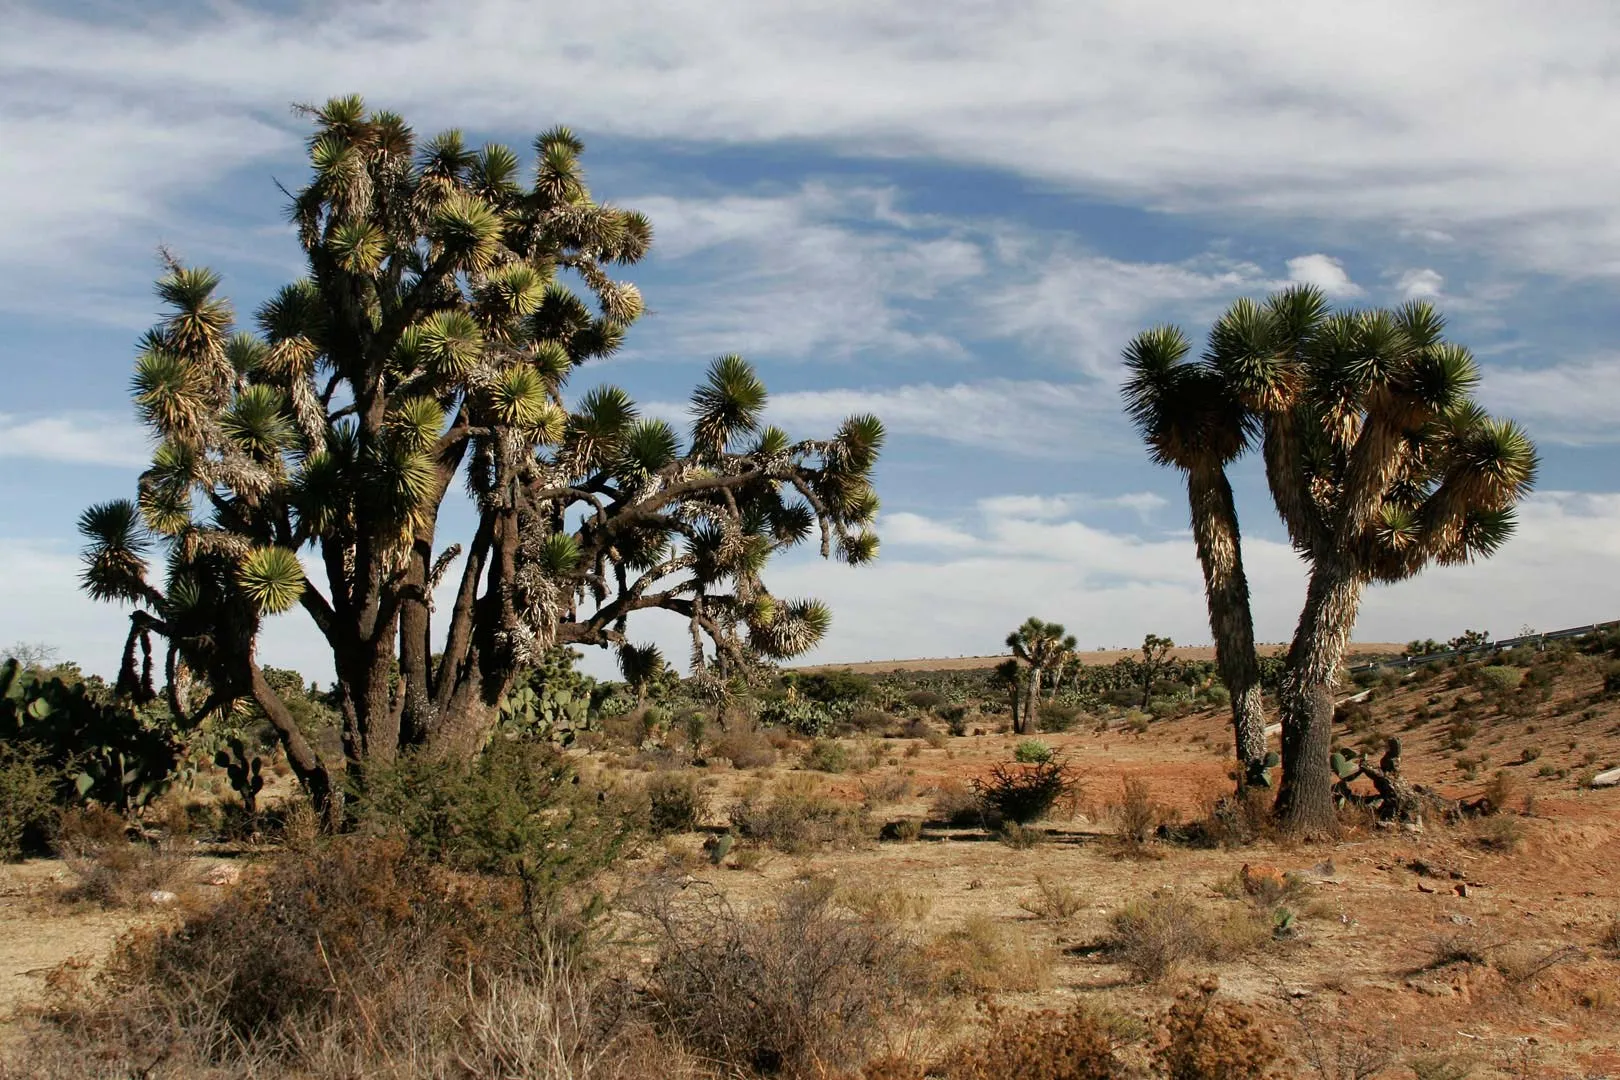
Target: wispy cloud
x: 1488, y: 122
x: 1574, y: 403
x: 75, y: 438
x: 1030, y: 418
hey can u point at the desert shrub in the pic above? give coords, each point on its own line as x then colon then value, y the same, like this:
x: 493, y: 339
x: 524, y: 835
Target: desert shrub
x: 1463, y: 947
x: 123, y: 872
x: 1500, y: 832
x: 1057, y: 716
x: 980, y: 956
x: 955, y: 717
x: 352, y: 960
x: 833, y: 687
x: 517, y: 809
x: 1032, y: 751
x: 1053, y: 901
x: 1611, y: 679
x: 1025, y: 793
x: 801, y: 716
x: 886, y: 904
x: 925, y: 699
x: 1499, y: 678
x: 956, y: 804
x: 1019, y: 837
x: 27, y: 808
x: 884, y: 790
x: 795, y: 818
x: 798, y: 989
x: 1137, y: 814
x: 1354, y: 715
x: 827, y: 755
x: 869, y: 720
x: 1152, y: 938
x: 1204, y: 1039
x: 1046, y: 1045
x: 745, y: 749
x: 1609, y: 937
x: 676, y: 802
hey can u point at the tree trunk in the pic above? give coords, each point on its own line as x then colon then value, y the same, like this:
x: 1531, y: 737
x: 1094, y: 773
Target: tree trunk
x: 1305, y: 798
x: 1016, y: 692
x: 1226, y: 591
x: 1032, y: 702
x: 305, y: 760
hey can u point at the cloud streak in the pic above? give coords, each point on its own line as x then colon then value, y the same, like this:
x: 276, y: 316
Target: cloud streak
x: 75, y: 438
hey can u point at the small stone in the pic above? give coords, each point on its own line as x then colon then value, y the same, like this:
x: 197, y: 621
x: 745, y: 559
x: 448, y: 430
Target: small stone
x: 1607, y: 779
x: 223, y: 874
x: 161, y: 896
x: 1460, y: 889
x: 1461, y: 920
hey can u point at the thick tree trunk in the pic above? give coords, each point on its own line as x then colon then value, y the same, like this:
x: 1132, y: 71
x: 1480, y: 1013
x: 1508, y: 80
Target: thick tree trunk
x: 305, y: 760
x: 1032, y: 702
x: 1226, y: 590
x: 1016, y: 693
x: 1305, y: 798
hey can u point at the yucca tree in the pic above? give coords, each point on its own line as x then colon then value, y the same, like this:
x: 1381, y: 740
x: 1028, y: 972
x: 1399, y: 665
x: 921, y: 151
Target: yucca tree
x: 433, y: 337
x: 1380, y: 464
x: 1191, y: 421
x: 1041, y: 647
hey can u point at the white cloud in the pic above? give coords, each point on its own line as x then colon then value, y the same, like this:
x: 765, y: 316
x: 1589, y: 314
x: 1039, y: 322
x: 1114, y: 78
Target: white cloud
x: 75, y: 438
x: 1084, y: 308
x: 1488, y: 120
x: 1030, y: 418
x: 1574, y: 403
x: 1323, y: 271
x: 820, y: 272
x: 1421, y: 284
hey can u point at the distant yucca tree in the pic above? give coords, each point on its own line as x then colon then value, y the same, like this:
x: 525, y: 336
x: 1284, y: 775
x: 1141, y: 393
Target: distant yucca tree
x: 431, y: 339
x: 1042, y: 647
x: 1379, y: 462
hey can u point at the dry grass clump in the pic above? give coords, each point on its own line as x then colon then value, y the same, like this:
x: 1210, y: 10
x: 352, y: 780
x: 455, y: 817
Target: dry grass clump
x: 745, y: 749
x: 110, y: 868
x: 886, y: 790
x: 1152, y: 938
x: 796, y: 816
x: 798, y: 990
x: 981, y: 956
x: 1136, y: 816
x: 1053, y: 901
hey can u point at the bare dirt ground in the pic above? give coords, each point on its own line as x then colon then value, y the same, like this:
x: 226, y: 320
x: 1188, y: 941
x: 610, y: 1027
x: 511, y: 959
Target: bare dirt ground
x: 1094, y: 657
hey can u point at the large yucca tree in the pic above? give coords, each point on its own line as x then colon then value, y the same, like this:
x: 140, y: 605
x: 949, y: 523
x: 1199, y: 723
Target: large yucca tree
x: 432, y: 338
x: 1380, y: 464
x: 1191, y: 421
x: 1041, y: 647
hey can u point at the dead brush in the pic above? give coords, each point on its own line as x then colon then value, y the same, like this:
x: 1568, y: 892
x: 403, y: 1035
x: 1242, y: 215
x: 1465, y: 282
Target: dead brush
x: 1200, y: 1037
x: 798, y: 989
x: 1136, y: 816
x: 885, y: 790
x: 981, y: 956
x: 1053, y: 901
x: 1046, y: 1045
x: 112, y: 869
x: 1153, y: 938
x: 1608, y: 938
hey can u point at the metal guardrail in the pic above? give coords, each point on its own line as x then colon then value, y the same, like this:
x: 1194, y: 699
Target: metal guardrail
x: 1488, y: 646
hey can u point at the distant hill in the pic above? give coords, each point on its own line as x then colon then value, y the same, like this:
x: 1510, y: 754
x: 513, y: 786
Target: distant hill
x: 1100, y: 656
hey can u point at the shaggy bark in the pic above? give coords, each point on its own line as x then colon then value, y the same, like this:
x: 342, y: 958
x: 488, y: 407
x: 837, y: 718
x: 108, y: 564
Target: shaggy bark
x: 1226, y: 589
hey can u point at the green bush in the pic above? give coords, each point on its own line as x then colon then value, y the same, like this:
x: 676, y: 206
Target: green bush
x: 955, y: 717
x: 518, y: 809
x: 1032, y: 751
x: 827, y: 755
x: 676, y: 803
x: 27, y: 785
x: 1057, y: 716
x: 925, y: 699
x: 1499, y: 678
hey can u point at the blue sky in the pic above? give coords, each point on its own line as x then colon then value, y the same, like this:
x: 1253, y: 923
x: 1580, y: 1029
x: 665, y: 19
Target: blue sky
x: 951, y: 214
